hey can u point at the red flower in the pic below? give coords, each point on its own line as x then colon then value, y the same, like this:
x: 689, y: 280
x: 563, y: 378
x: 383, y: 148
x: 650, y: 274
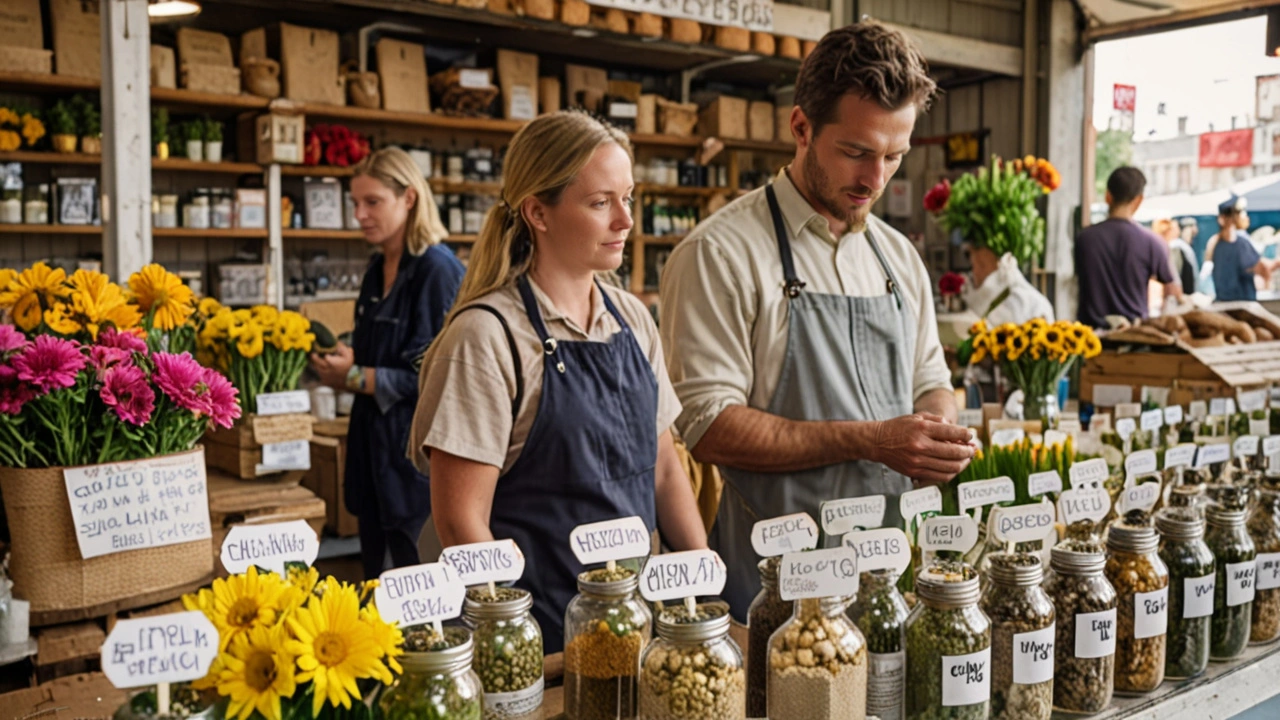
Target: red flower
x: 951, y: 283
x: 935, y: 200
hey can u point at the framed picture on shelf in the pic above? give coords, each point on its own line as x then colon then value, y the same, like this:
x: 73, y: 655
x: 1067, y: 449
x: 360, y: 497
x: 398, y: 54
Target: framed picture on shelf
x: 77, y: 201
x: 322, y: 198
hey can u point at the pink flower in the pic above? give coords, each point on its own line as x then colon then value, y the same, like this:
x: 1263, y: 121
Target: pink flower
x: 11, y: 339
x: 125, y: 390
x: 222, y: 398
x: 103, y: 358
x: 113, y: 338
x: 50, y: 363
x: 13, y: 394
x: 182, y: 380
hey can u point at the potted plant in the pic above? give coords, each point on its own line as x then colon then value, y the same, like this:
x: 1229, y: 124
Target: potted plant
x: 90, y: 125
x: 194, y: 134
x: 212, y: 140
x: 160, y: 132
x: 62, y: 125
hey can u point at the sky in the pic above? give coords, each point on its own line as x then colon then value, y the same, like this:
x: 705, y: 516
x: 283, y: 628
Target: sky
x: 1206, y: 73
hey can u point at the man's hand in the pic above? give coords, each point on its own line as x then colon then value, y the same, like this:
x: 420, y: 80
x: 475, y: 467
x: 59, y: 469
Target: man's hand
x: 923, y: 447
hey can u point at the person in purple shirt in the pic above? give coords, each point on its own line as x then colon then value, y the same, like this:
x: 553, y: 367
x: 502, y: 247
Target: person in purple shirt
x: 1116, y: 258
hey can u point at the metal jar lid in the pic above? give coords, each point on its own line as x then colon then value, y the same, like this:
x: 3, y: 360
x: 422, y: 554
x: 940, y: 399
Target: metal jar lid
x: 511, y: 603
x: 1123, y: 537
x: 949, y: 585
x: 710, y: 621
x: 1222, y: 517
x: 452, y: 658
x: 618, y: 588
x: 1179, y: 524
x: 768, y: 568
x: 1015, y: 569
x: 1078, y: 558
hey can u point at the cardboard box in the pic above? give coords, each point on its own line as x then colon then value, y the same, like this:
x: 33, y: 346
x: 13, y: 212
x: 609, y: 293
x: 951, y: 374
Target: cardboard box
x: 725, y: 118
x: 164, y: 67
x: 26, y: 60
x: 21, y: 25
x: 1186, y: 376
x: 308, y: 58
x: 782, y: 125
x: 280, y: 138
x: 88, y: 696
x: 647, y: 114
x: 217, y: 79
x: 201, y: 47
x: 760, y: 121
x: 679, y: 119
x: 548, y: 95
x: 586, y: 86
x: 253, y: 44
x: 518, y: 80
x: 402, y: 70
x: 327, y: 474
x: 77, y: 38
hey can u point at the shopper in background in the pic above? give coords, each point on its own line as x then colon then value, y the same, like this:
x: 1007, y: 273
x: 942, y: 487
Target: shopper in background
x: 545, y: 404
x: 1182, y: 261
x: 1184, y: 246
x: 1116, y: 258
x: 800, y: 328
x: 1235, y: 261
x: 407, y: 290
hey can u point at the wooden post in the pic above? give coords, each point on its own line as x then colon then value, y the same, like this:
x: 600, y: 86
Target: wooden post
x: 126, y: 146
x: 1065, y: 76
x: 275, y: 239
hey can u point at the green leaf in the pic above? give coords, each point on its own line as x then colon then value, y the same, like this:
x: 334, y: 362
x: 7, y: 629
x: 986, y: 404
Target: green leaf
x: 1004, y: 295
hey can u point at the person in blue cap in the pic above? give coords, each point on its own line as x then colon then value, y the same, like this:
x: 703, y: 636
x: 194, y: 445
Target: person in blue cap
x: 1235, y: 261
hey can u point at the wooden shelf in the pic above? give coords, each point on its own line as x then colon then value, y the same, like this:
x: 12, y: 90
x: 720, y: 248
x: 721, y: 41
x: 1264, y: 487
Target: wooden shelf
x: 185, y: 165
x: 322, y: 111
x: 50, y: 158
x: 441, y: 186
x: 462, y: 239
x: 651, y: 189
x: 318, y: 234
x: 237, y: 233
x: 680, y: 141
x: 208, y: 101
x: 316, y: 171
x: 40, y: 82
x: 660, y: 240
x: 52, y: 229
x: 761, y: 146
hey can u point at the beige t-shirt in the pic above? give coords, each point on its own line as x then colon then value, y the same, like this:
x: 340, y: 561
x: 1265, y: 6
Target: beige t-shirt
x: 465, y: 394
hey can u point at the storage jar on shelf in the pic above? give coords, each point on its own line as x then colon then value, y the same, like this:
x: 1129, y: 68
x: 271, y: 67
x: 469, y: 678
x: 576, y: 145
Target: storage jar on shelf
x: 1264, y: 528
x: 1235, y: 556
x: 948, y: 646
x: 1141, y: 581
x: 767, y: 613
x: 508, y: 651
x: 1022, y: 637
x: 607, y: 626
x: 818, y: 664
x: 1085, y: 642
x: 880, y: 612
x: 1191, y: 583
x: 693, y: 670
x: 438, y: 682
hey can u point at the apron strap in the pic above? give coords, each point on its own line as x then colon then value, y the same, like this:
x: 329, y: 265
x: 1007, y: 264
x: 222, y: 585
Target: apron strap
x: 515, y: 355
x: 535, y: 315
x: 613, y: 309
x: 793, y: 284
x: 891, y: 282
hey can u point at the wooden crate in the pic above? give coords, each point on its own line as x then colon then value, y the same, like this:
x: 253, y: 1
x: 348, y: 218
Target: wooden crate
x: 238, y: 450
x: 327, y: 474
x: 88, y: 696
x: 1200, y: 374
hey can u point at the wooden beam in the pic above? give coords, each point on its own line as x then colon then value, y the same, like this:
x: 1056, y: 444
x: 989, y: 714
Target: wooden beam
x: 955, y: 51
x: 1211, y: 13
x: 126, y: 137
x: 1030, y: 68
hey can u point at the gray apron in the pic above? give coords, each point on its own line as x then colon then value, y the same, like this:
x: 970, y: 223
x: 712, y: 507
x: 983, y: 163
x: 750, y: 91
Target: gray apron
x: 848, y: 358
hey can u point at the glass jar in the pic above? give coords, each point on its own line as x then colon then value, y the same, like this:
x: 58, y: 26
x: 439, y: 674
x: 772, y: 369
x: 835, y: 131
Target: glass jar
x: 167, y: 215
x: 1043, y: 408
x: 196, y: 213
x: 185, y: 703
x: 437, y: 682
x: 693, y: 671
x: 880, y: 612
x: 1085, y: 643
x: 818, y: 664
x: 1022, y: 637
x: 948, y: 646
x: 1235, y: 556
x: 606, y: 627
x: 1191, y: 582
x: 508, y: 651
x: 1141, y: 581
x: 768, y: 612
x: 1264, y: 528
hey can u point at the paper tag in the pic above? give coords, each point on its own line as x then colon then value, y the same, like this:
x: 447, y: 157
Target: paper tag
x: 138, y: 504
x: 1128, y: 410
x: 818, y: 574
x: 269, y: 546
x: 280, y: 403
x: 1054, y: 437
x: 966, y: 679
x: 620, y: 539
x: 1218, y: 406
x: 522, y: 105
x: 1112, y: 395
x: 1180, y: 456
x: 1173, y: 415
x: 1210, y: 454
x: 887, y: 676
x: 473, y: 79
x: 1268, y: 577
x: 1086, y: 503
x: 1240, y: 577
x: 1007, y: 436
x: 842, y: 516
x: 1197, y: 598
x: 1095, y: 634
x: 420, y: 594
x: 496, y: 561
x: 1142, y: 462
x: 1021, y: 523
x: 1070, y: 427
x: 1198, y: 409
x: 1125, y: 428
x: 1261, y: 428
x: 781, y: 535
x: 173, y: 648
x: 1033, y: 656
x: 970, y: 418
x: 914, y: 502
x: 1151, y: 420
x: 949, y: 532
x: 1138, y: 497
x: 1150, y: 613
x: 680, y: 575
x: 1271, y: 445
x: 882, y: 549
x: 1157, y: 395
x: 514, y: 704
x: 1089, y: 473
x: 1250, y: 400
x: 1040, y: 483
x: 985, y: 492
x: 1245, y: 446
x: 288, y: 455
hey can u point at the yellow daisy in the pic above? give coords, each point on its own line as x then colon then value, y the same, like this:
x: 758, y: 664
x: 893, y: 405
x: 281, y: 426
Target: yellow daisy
x: 387, y: 635
x: 240, y: 603
x: 162, y: 294
x: 61, y: 320
x: 6, y: 276
x: 334, y: 648
x: 31, y: 292
x: 256, y: 672
x: 249, y: 340
x: 208, y: 307
x: 97, y: 300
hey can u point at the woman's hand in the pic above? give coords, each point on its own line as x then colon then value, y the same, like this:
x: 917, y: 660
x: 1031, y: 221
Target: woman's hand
x: 333, y: 368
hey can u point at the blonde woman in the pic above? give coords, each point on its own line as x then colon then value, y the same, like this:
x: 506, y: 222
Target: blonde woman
x: 406, y: 293
x: 545, y: 403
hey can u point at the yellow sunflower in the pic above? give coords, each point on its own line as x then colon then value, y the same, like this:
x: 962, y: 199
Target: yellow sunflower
x: 162, y: 294
x: 96, y: 300
x: 1016, y: 345
x: 1034, y: 325
x: 208, y: 307
x: 978, y: 328
x: 256, y: 672
x: 979, y: 354
x: 292, y: 332
x: 1092, y: 346
x: 240, y: 603
x: 995, y: 345
x: 248, y: 340
x: 61, y: 319
x: 6, y: 276
x: 334, y: 648
x: 31, y: 292
x: 266, y: 315
x: 387, y: 635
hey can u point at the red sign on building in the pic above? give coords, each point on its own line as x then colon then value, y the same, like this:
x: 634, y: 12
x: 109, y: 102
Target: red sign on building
x: 1229, y: 148
x: 1124, y: 97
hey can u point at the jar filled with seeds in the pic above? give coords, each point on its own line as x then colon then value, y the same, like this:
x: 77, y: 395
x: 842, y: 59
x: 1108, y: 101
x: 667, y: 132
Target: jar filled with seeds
x: 437, y: 682
x: 1191, y: 582
x: 880, y: 612
x: 818, y: 664
x: 606, y: 628
x: 948, y: 646
x: 693, y: 670
x: 1235, y: 556
x: 508, y: 651
x: 1022, y: 637
x: 1264, y: 528
x: 1141, y: 581
x: 1085, y: 610
x: 768, y: 612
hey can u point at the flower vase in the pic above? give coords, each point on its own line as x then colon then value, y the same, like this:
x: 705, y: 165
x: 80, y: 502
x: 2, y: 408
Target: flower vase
x: 1036, y: 406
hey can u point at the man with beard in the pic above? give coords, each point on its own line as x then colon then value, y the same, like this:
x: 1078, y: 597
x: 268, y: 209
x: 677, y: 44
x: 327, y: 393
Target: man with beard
x: 799, y: 329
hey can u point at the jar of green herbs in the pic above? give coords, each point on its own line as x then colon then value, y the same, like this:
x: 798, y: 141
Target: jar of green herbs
x: 1191, y: 589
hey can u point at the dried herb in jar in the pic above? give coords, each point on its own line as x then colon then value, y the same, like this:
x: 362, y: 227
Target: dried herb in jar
x: 1141, y: 582
x: 508, y: 651
x: 693, y: 671
x: 1022, y: 638
x: 948, y: 647
x: 818, y: 664
x: 1191, y: 587
x: 880, y: 612
x: 606, y: 628
x: 768, y: 612
x: 437, y: 682
x: 1085, y: 643
x: 1234, y: 553
x: 1264, y: 528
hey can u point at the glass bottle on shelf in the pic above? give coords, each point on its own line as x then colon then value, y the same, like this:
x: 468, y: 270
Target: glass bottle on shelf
x: 767, y: 613
x: 607, y: 626
x: 948, y: 646
x: 818, y: 664
x: 1085, y: 619
x: 880, y: 612
x: 437, y: 681
x: 1141, y: 581
x: 1235, y: 555
x: 693, y: 670
x: 508, y: 655
x: 1191, y: 583
x: 1264, y: 528
x: 1022, y: 633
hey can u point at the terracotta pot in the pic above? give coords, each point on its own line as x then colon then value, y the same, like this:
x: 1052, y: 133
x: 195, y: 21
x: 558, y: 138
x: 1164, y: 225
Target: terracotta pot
x: 91, y: 145
x: 64, y: 143
x: 261, y: 77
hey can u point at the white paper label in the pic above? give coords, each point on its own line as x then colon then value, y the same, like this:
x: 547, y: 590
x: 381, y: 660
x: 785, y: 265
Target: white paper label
x: 269, y: 546
x: 1261, y: 428
x: 1218, y: 406
x: 514, y: 704
x: 1245, y: 446
x: 781, y: 535
x: 1240, y: 577
x: 949, y: 532
x: 1142, y: 462
x: 1268, y: 571
x: 1112, y: 395
x: 1250, y: 400
x: 1153, y: 394
x: 1198, y: 409
x: 1088, y: 503
x: 970, y: 418
x: 1128, y: 410
x: 139, y: 504
x: 842, y: 516
x: 1095, y: 634
x: 1271, y: 445
x: 1007, y: 436
x: 1040, y: 483
x: 818, y: 574
x: 473, y: 79
x: 966, y: 679
x: 1180, y: 456
x: 676, y: 576
x: 1197, y: 596
x: 1021, y: 523
x: 1054, y: 437
x: 1173, y: 415
x: 496, y: 561
x: 420, y: 594
x: 914, y: 502
x: 1033, y: 656
x: 1125, y: 428
x: 985, y: 492
x: 1210, y: 454
x: 619, y: 539
x: 1070, y: 427
x: 1150, y: 613
x: 1138, y: 497
x: 288, y: 455
x: 522, y: 105
x: 1152, y: 420
x: 886, y: 679
x: 1090, y: 473
x: 280, y: 403
x: 881, y: 549
x: 178, y: 647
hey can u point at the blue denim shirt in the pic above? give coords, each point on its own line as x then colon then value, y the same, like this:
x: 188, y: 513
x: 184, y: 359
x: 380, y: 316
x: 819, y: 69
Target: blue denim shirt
x: 1232, y: 269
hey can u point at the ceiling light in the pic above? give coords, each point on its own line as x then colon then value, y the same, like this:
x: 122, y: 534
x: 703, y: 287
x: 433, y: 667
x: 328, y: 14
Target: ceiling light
x: 168, y: 9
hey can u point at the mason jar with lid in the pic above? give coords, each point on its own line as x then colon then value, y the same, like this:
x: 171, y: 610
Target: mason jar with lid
x: 1191, y: 582
x: 166, y: 215
x: 1264, y: 528
x: 185, y: 703
x: 1141, y: 581
x: 1022, y: 637
x: 437, y: 682
x: 508, y: 651
x: 767, y: 613
x: 880, y: 612
x: 818, y: 664
x: 606, y: 627
x: 948, y: 646
x: 693, y: 670
x: 1235, y: 556
x: 1085, y: 642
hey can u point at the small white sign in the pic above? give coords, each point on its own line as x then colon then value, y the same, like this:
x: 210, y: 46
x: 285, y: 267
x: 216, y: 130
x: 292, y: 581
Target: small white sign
x: 842, y: 516
x: 782, y: 535
x: 1150, y: 613
x: 288, y: 455
x: 1086, y: 503
x: 496, y: 561
x: 1128, y: 410
x: 1040, y: 483
x: 1112, y: 395
x: 1210, y: 454
x: 1138, y: 497
x: 1240, y: 577
x: 966, y: 679
x: 1151, y: 420
x: 1261, y: 428
x: 1142, y: 462
x: 818, y: 574
x: 1021, y: 523
x: 269, y: 546
x: 1090, y: 473
x: 1008, y: 436
x: 881, y: 549
x: 1218, y: 406
x: 1070, y: 426
x: 1245, y: 446
x: 1250, y: 400
x: 1154, y: 394
x: 1268, y: 571
x: 981, y: 493
x: 1033, y: 656
x: 922, y: 500
x: 1197, y: 598
x: 173, y: 648
x: 620, y: 539
x: 1125, y: 427
x: 420, y: 594
x: 1095, y: 634
x: 1180, y: 456
x: 1173, y: 415
x: 281, y: 403
x: 1198, y: 409
x: 680, y: 575
x: 1271, y: 445
x: 970, y: 419
x: 949, y: 532
x: 473, y: 79
x: 522, y: 106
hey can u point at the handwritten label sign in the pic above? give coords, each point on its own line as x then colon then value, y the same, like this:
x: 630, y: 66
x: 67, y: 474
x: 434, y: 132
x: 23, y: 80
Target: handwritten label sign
x: 1008, y: 436
x: 1070, y: 426
x: 620, y: 539
x: 1198, y: 594
x: 970, y: 418
x: 1210, y: 454
x: 496, y: 561
x: 882, y: 549
x: 474, y: 79
x: 1180, y: 455
x: 1055, y: 437
x: 914, y: 502
x: 1089, y: 473
x: 1271, y: 445
x: 822, y: 573
x: 1151, y: 420
x: 1142, y: 462
x: 288, y: 455
x: 1033, y: 656
x: 1151, y: 613
x: 675, y: 576
x: 1245, y: 446
x: 1138, y: 497
x: 1250, y: 400
x: 949, y: 532
x: 269, y: 546
x: 1261, y: 428
x: 1112, y: 395
x: 1173, y: 415
x: 1095, y: 634
x: 966, y: 679
x: 751, y: 14
x: 281, y: 403
x: 841, y: 516
x: 1022, y: 523
x: 985, y: 492
x: 1040, y: 483
x: 139, y: 504
x: 420, y: 594
x: 782, y: 535
x: 1125, y: 428
x: 1268, y: 571
x: 1085, y: 503
x: 1128, y: 410
x: 178, y: 647
x: 1198, y: 409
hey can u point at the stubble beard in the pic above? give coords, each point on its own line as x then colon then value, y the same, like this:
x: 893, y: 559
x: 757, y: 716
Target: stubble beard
x: 830, y: 199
